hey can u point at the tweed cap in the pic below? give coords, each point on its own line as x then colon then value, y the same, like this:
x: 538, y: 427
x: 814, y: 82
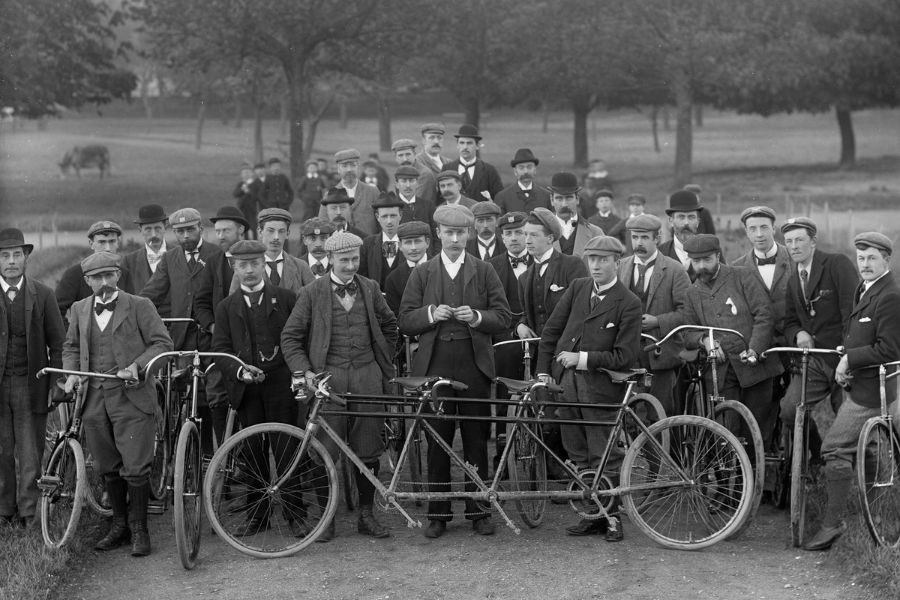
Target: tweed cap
x: 449, y: 175
x: 702, y: 245
x: 873, y: 239
x: 336, y: 195
x: 274, y: 161
x: 757, y: 211
x: 230, y: 213
x: 247, y: 249
x: 184, y: 217
x: 486, y: 208
x: 311, y: 163
x: 604, y: 194
x: 800, y: 223
x: 407, y: 172
x: 274, y: 214
x: 564, y: 183
x: 453, y: 215
x: 548, y: 220
x: 683, y: 201
x: 317, y: 226
x: 100, y: 262
x: 512, y: 220
x: 343, y: 241
x: 603, y: 245
x: 14, y: 238
x: 103, y: 227
x: 434, y: 127
x: 346, y: 155
x: 644, y: 222
x: 388, y: 200
x: 412, y: 229
x: 151, y: 213
x: 403, y: 144
x: 636, y: 199
x: 259, y: 165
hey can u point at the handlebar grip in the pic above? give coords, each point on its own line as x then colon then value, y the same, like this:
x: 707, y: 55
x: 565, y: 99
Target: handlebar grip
x: 554, y: 387
x: 650, y: 347
x: 691, y: 344
x: 458, y: 386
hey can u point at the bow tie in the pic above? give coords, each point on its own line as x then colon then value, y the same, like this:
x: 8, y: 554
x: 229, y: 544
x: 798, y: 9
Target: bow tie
x: 346, y: 288
x: 110, y: 306
x: 389, y: 249
x: 766, y: 261
x: 318, y: 269
x: 515, y: 261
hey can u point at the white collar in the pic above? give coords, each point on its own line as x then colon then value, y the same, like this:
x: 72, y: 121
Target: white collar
x: 385, y: 238
x: 313, y: 260
x: 410, y: 201
x: 677, y: 243
x: 197, y: 249
x: 351, y: 189
x: 18, y: 285
x: 279, y: 257
x: 868, y: 284
x: 115, y: 295
x: 162, y: 249
x: 638, y: 261
x: 422, y: 260
x: 605, y: 288
x: 769, y: 253
x: 489, y: 242
x: 808, y: 264
x: 256, y: 288
x: 604, y: 215
x: 523, y: 188
x: 524, y: 253
x: 337, y: 280
x: 465, y: 164
x: 544, y: 257
x: 447, y: 262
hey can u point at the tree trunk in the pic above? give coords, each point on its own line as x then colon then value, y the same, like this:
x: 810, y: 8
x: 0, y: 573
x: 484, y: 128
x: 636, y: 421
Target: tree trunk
x: 654, y: 127
x: 472, y: 110
x: 145, y: 99
x: 313, y: 126
x: 667, y: 118
x: 384, y: 122
x: 698, y: 115
x: 258, y: 152
x: 684, y: 133
x: 284, y: 112
x: 238, y: 110
x: 848, y: 139
x: 160, y: 98
x: 581, y: 109
x: 201, y: 118
x: 342, y: 114
x: 296, y: 99
x: 545, y: 120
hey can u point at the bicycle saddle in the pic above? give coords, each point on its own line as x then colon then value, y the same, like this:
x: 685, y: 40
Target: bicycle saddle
x: 414, y: 383
x: 689, y: 356
x: 622, y: 376
x: 517, y: 386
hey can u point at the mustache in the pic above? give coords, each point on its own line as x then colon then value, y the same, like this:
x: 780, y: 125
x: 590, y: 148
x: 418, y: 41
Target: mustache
x: 155, y: 239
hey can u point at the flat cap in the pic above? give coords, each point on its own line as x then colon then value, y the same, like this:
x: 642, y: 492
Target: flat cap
x: 274, y: 161
x: 683, y: 201
x: 564, y: 183
x: 403, y: 144
x: 104, y: 227
x: 259, y: 165
x: 311, y: 163
x: 100, y: 262
x: 406, y: 171
x: 345, y: 155
x: 757, y: 211
x: 448, y: 175
x: 548, y: 220
x: 701, y: 245
x: 247, y: 249
x: 873, y: 239
x: 636, y: 199
x: 604, y: 194
x: 274, y: 214
x: 151, y: 213
x: 486, y: 208
x: 644, y: 222
x: 336, y: 195
x: 230, y: 213
x: 412, y: 229
x: 387, y: 200
x: 342, y: 241
x: 603, y: 245
x: 800, y: 223
x: 317, y: 226
x: 512, y: 220
x: 184, y: 217
x: 434, y: 127
x: 453, y: 215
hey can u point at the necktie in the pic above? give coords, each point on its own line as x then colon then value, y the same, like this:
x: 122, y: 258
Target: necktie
x: 804, y: 281
x: 515, y: 261
x: 274, y: 277
x: 389, y: 249
x: 318, y: 269
x: 595, y: 300
x: 640, y: 286
x: 11, y: 293
x: 486, y: 249
x: 766, y: 261
x: 253, y: 297
x: 192, y: 261
x: 110, y: 306
x: 343, y: 289
x: 466, y: 178
x: 539, y: 267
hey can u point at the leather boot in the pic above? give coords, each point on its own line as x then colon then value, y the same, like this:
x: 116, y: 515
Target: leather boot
x: 137, y: 518
x: 367, y: 524
x: 118, y: 533
x: 318, y: 475
x: 838, y: 480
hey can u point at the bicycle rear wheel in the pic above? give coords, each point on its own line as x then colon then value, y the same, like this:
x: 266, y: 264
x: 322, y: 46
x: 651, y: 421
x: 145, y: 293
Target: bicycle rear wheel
x: 738, y: 418
x: 527, y: 465
x: 878, y: 472
x: 649, y: 411
x: 702, y: 486
x: 239, y: 488
x: 800, y: 477
x: 62, y: 493
x: 187, y: 496
x: 159, y: 468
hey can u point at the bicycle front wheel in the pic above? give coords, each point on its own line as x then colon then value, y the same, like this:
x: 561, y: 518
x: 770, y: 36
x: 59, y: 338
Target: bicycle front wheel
x: 702, y: 485
x: 878, y: 471
x: 527, y: 466
x: 186, y: 499
x: 738, y: 418
x: 159, y: 468
x: 63, y: 486
x: 247, y: 508
x: 800, y: 477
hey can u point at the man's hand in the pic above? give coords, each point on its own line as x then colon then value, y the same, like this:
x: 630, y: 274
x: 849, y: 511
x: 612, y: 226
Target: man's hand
x: 252, y: 374
x: 749, y: 357
x: 649, y: 322
x: 842, y: 372
x: 545, y: 378
x: 310, y: 380
x: 129, y: 373
x: 524, y: 331
x: 72, y: 382
x: 804, y: 340
x: 569, y: 360
x: 464, y: 314
x: 442, y: 312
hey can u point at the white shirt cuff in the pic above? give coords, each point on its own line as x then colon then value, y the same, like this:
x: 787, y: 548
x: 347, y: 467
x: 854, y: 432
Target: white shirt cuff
x: 477, y: 319
x: 582, y: 362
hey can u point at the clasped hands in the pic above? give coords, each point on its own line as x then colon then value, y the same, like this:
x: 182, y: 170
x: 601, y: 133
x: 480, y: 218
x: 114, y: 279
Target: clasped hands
x: 464, y: 314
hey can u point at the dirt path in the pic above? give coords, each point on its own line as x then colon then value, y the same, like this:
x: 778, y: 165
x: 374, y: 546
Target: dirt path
x: 539, y: 563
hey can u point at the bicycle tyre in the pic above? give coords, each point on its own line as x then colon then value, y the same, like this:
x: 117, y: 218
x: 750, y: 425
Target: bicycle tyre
x: 95, y: 488
x: 187, y: 494
x: 159, y: 468
x: 649, y: 410
x: 527, y: 466
x: 781, y: 490
x: 754, y: 447
x: 61, y: 504
x: 799, y: 477
x: 718, y: 485
x: 222, y: 511
x: 878, y: 473
x: 348, y: 483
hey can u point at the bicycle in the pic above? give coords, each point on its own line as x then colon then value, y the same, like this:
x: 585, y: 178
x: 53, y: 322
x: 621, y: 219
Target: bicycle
x: 731, y: 413
x: 795, y: 445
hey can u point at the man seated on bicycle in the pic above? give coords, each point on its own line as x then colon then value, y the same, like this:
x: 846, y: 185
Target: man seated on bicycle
x: 820, y: 295
x: 871, y: 337
x: 112, y: 331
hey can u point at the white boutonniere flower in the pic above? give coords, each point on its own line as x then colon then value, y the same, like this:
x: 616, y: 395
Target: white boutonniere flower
x: 557, y: 288
x: 730, y: 303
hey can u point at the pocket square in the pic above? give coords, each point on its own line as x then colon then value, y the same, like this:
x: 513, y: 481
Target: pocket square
x: 557, y: 288
x: 610, y: 324
x: 730, y: 303
x: 865, y: 320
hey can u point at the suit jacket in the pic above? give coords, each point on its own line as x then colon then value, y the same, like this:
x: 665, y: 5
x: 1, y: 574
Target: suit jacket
x: 295, y: 274
x: 583, y: 233
x: 778, y: 291
x: 610, y: 334
x: 395, y: 284
x: 513, y: 198
x: 665, y: 300
x: 174, y: 283
x: 605, y: 223
x: 426, y: 164
x: 307, y: 333
x: 138, y: 336
x: 499, y: 246
x: 510, y: 283
x: 215, y: 285
x: 832, y: 283
x: 421, y: 210
x: 486, y: 179
x: 667, y: 248
x: 426, y: 186
x: 362, y: 215
x: 749, y: 312
x: 72, y: 287
x: 482, y: 291
x: 232, y: 334
x: 370, y: 260
x: 562, y: 270
x: 277, y: 192
x: 44, y: 337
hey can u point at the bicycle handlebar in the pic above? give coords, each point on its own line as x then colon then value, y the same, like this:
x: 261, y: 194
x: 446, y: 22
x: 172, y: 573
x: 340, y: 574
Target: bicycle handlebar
x: 796, y: 350
x: 180, y: 320
x: 518, y: 341
x: 180, y: 353
x: 698, y: 328
x: 50, y: 370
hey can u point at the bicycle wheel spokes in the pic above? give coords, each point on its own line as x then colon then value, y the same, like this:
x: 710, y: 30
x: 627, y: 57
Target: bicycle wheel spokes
x: 527, y: 465
x: 62, y: 493
x: 740, y: 421
x: 160, y: 464
x: 878, y: 453
x: 95, y: 489
x: 186, y: 501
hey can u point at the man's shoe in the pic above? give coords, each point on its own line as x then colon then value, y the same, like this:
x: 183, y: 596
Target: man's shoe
x: 484, y: 526
x: 140, y: 539
x: 118, y: 535
x: 435, y: 529
x: 252, y: 527
x: 614, y: 529
x: 588, y: 527
x: 826, y: 537
x: 367, y: 524
x: 328, y: 534
x: 299, y: 529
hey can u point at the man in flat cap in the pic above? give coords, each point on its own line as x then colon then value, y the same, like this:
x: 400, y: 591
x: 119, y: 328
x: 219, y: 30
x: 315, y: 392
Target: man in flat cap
x: 480, y: 180
x: 282, y: 269
x: 735, y: 298
x: 380, y: 252
x: 432, y: 143
x: 660, y: 283
x: 415, y: 242
x: 33, y: 334
x: 871, y: 337
x: 277, y: 191
x: 246, y: 199
x: 103, y: 236
x: 524, y: 195
x: 821, y: 290
x: 636, y: 204
x: 113, y: 331
x: 310, y: 189
x: 596, y: 325
x: 338, y: 209
x: 426, y: 186
x: 450, y: 190
x: 141, y: 264
x: 485, y: 244
x: 605, y: 218
x: 314, y: 233
x: 342, y: 324
x: 575, y: 231
x: 360, y: 193
x: 455, y: 303
x: 417, y: 206
x: 684, y: 221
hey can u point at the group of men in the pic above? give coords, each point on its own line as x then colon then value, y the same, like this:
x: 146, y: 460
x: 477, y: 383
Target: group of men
x: 456, y: 262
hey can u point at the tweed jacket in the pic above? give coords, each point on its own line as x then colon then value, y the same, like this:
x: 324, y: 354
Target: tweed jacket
x: 562, y: 270
x: 295, y: 274
x: 370, y: 260
x: 513, y: 198
x: 486, y: 180
x: 423, y: 164
x: 778, y: 291
x: 583, y: 233
x: 138, y: 336
x: 215, y: 285
x: 44, y: 337
x: 362, y: 215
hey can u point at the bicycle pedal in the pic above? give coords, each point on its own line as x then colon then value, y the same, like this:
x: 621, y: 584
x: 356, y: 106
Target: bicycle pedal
x: 156, y: 507
x: 48, y: 483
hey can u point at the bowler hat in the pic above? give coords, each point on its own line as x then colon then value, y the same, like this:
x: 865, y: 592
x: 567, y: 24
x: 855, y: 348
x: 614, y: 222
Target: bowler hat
x: 603, y: 245
x: 336, y: 195
x: 407, y: 172
x: 564, y: 183
x: 468, y: 131
x: 874, y: 239
x: 230, y: 213
x: 274, y: 214
x: 523, y: 155
x: 800, y: 223
x: 453, y: 215
x: 546, y: 218
x: 247, y: 249
x: 151, y: 213
x: 757, y: 211
x: 274, y: 161
x: 683, y: 201
x: 388, y: 200
x: 412, y: 229
x: 701, y: 245
x: 342, y: 241
x: 14, y: 238
x: 100, y: 262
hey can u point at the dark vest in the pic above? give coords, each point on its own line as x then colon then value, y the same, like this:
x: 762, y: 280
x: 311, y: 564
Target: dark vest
x: 102, y: 359
x: 567, y: 246
x: 452, y: 295
x: 16, y: 343
x: 641, y: 293
x: 266, y: 354
x: 351, y: 340
x: 537, y: 299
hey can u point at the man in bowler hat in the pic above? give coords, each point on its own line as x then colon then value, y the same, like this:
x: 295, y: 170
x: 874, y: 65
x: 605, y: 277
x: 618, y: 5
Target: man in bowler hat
x: 575, y: 231
x: 361, y: 195
x: 524, y: 195
x: 141, y: 264
x: 380, y: 253
x: 480, y: 180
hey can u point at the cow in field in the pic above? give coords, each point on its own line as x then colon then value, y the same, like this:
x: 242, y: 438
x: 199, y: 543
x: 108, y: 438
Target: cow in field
x: 85, y: 157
